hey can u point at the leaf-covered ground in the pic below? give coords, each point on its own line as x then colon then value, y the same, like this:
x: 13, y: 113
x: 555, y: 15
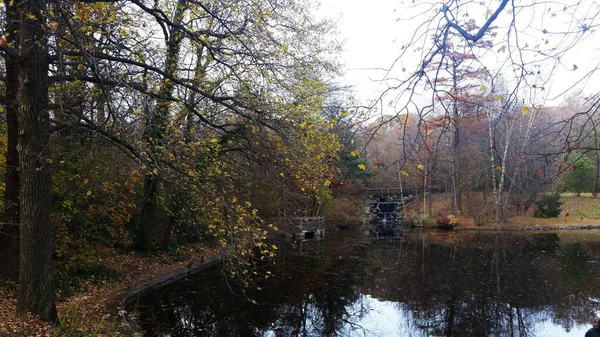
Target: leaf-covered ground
x: 94, y: 309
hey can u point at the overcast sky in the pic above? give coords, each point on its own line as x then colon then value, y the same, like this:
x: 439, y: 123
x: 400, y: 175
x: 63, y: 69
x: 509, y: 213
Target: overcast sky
x: 371, y: 41
x: 373, y: 36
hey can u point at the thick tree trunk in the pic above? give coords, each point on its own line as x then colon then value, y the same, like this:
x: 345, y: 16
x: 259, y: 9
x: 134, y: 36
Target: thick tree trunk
x: 9, y: 230
x: 36, y: 292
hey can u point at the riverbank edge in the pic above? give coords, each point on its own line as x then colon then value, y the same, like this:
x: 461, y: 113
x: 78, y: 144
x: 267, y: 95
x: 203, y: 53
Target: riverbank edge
x: 527, y: 228
x: 132, y: 294
x: 99, y: 310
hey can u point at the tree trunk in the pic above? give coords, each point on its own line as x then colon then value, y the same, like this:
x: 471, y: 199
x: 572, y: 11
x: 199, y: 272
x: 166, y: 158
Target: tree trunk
x: 100, y: 110
x: 596, y: 171
x: 456, y: 187
x: 9, y: 230
x: 176, y: 211
x: 36, y: 292
x: 496, y: 190
x: 148, y: 213
x: 501, y: 196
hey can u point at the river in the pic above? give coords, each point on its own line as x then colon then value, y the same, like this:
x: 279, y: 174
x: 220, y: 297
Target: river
x: 424, y: 284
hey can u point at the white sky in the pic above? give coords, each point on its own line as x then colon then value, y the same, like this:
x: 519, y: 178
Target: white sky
x: 373, y: 37
x: 370, y: 34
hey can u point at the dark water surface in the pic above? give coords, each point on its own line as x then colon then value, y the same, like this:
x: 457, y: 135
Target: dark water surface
x: 426, y: 284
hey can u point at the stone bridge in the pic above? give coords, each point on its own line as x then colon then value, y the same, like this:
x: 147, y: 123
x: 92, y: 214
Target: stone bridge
x: 392, y: 193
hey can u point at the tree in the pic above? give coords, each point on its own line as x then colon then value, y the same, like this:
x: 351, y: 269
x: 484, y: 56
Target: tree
x: 458, y: 94
x: 230, y: 83
x: 580, y: 175
x: 156, y: 123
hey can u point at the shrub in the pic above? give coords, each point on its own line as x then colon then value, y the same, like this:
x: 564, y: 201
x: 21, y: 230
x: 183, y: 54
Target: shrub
x: 423, y: 221
x: 442, y: 220
x: 447, y: 221
x: 548, y: 206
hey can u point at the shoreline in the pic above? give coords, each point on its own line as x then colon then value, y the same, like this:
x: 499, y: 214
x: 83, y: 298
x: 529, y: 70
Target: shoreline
x: 527, y: 228
x: 131, y: 294
x: 99, y: 307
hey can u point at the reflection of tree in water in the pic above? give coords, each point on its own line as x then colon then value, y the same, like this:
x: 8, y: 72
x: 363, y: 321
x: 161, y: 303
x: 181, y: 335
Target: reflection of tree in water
x: 488, y: 285
x: 309, y: 297
x: 443, y: 284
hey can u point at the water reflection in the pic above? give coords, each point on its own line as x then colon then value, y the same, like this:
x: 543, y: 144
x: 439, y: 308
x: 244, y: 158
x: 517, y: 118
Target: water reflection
x: 438, y: 284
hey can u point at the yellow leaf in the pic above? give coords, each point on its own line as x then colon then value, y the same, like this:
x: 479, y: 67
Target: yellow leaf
x: 502, y: 49
x: 525, y: 110
x: 362, y: 166
x: 429, y: 132
x: 281, y: 174
x: 483, y: 88
x: 420, y: 167
x: 327, y: 182
x: 404, y: 173
x: 498, y: 168
x: 499, y: 98
x: 135, y: 174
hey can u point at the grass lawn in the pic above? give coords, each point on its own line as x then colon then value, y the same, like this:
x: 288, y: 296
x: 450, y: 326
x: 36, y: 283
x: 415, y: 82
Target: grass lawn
x: 576, y: 210
x: 582, y: 210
